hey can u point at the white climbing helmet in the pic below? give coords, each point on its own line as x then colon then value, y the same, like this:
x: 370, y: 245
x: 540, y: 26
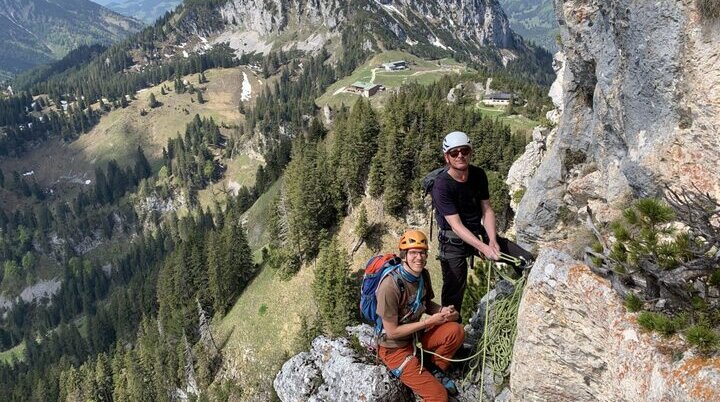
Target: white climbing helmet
x: 454, y: 140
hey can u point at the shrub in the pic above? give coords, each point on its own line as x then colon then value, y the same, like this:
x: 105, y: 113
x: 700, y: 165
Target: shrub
x: 633, y: 303
x: 703, y: 337
x: 574, y: 158
x: 714, y: 279
x: 659, y: 322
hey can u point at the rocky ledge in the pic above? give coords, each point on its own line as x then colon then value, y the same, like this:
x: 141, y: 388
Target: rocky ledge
x: 340, y: 370
x: 333, y: 371
x: 577, y: 342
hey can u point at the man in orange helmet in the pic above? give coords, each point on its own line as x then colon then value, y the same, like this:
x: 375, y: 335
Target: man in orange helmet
x: 401, y: 302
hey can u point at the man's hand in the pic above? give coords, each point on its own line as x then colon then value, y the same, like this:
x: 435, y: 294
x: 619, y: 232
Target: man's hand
x: 437, y: 319
x: 489, y: 251
x: 451, y: 313
x: 495, y: 246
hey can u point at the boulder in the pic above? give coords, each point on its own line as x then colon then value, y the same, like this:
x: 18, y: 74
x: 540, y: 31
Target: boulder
x: 333, y: 371
x: 577, y: 342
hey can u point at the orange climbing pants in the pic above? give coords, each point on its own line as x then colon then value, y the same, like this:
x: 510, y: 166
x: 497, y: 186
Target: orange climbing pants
x: 444, y: 340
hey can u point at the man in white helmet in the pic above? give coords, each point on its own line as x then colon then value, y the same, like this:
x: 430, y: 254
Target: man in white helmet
x: 461, y: 198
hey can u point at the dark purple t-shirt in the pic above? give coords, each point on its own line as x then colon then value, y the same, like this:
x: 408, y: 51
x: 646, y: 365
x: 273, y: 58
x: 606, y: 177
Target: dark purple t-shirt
x: 452, y: 197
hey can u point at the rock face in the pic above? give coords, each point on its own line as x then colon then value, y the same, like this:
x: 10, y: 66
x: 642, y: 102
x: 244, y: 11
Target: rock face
x: 333, y: 371
x: 459, y: 26
x: 525, y: 167
x: 641, y: 91
x: 576, y: 342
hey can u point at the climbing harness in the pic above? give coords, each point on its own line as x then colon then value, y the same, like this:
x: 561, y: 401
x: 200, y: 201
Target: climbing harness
x: 397, y: 372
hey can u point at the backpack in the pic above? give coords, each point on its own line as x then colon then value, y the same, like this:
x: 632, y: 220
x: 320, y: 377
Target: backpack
x: 427, y: 185
x: 376, y: 269
x: 429, y: 180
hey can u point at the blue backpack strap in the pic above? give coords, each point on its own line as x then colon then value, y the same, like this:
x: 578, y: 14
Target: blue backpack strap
x: 392, y: 271
x: 415, y: 306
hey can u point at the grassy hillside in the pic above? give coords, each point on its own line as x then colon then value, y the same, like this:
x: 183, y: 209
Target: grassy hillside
x: 420, y: 71
x: 67, y: 167
x: 15, y: 353
x: 56, y: 163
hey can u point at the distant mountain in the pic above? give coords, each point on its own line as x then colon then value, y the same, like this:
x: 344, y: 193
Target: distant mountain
x: 145, y: 10
x: 477, y: 31
x: 34, y: 32
x: 534, y: 20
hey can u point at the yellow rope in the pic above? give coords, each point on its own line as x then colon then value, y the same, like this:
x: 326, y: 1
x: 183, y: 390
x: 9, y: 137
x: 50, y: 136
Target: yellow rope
x: 485, y: 330
x: 500, y: 329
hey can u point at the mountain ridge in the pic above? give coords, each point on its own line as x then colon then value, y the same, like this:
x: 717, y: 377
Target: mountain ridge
x: 534, y: 20
x: 144, y: 10
x: 35, y: 32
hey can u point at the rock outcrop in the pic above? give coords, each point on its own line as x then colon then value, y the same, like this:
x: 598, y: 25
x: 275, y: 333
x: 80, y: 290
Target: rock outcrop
x: 526, y: 165
x: 333, y: 371
x: 641, y: 90
x: 576, y: 342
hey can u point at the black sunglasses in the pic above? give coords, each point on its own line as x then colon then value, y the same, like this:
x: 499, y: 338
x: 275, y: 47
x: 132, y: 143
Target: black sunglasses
x: 465, y: 151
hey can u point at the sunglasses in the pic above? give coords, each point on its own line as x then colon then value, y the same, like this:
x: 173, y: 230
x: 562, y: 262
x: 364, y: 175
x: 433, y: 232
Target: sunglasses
x: 465, y: 151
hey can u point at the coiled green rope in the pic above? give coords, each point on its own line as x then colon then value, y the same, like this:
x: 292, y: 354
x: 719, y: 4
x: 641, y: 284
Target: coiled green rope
x: 498, y: 334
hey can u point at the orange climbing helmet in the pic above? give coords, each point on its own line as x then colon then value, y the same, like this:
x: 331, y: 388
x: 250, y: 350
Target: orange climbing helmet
x: 413, y: 239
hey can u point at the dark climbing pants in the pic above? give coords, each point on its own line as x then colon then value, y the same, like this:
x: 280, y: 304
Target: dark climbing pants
x: 453, y: 260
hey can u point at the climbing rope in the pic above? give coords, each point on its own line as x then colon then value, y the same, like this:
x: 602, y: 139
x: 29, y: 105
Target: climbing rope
x: 485, y: 328
x: 499, y: 332
x: 503, y: 329
x: 499, y: 329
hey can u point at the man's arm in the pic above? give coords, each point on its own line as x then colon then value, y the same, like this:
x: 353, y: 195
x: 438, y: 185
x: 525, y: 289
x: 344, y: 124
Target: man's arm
x: 395, y: 331
x: 488, y: 219
x: 468, y: 237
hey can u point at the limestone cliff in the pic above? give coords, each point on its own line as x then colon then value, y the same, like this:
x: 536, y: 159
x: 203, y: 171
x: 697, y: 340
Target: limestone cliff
x: 478, y: 29
x: 641, y: 107
x: 576, y: 342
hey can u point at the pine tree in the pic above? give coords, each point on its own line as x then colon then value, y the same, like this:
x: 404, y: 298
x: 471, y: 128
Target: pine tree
x: 355, y: 142
x: 200, y: 98
x: 362, y: 228
x: 103, y: 378
x: 333, y: 289
x: 142, y: 166
x: 216, y: 285
x: 152, y: 102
